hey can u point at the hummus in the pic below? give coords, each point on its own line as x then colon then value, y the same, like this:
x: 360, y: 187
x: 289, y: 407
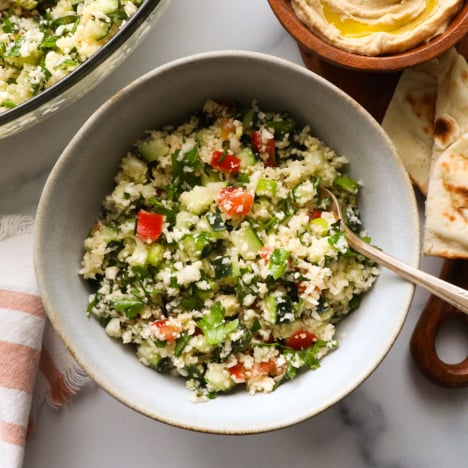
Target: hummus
x: 376, y: 27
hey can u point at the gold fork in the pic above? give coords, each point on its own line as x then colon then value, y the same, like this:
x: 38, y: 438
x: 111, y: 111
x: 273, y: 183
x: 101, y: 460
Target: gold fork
x: 454, y: 295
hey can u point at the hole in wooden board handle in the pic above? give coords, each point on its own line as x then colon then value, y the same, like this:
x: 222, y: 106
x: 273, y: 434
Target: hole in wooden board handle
x: 423, y: 340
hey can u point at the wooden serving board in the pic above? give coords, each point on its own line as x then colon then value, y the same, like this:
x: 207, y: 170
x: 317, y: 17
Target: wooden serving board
x: 374, y: 92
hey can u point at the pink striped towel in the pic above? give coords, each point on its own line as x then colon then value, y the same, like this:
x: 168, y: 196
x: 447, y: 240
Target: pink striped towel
x: 34, y: 364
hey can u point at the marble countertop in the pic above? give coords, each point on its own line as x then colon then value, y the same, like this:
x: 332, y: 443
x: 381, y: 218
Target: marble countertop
x: 396, y: 418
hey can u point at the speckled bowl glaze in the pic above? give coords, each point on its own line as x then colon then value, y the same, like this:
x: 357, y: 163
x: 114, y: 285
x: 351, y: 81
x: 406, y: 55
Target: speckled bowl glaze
x: 87, y: 75
x: 312, y: 43
x: 84, y: 173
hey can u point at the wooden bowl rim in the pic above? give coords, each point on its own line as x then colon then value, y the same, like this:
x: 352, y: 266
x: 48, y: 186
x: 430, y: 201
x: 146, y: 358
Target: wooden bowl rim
x: 309, y: 42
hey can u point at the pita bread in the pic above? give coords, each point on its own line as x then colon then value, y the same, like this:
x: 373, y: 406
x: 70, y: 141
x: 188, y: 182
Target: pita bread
x: 446, y: 227
x: 409, y: 120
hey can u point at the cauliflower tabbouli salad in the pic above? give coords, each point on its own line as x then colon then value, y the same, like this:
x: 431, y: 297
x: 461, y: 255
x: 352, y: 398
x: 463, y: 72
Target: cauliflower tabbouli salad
x: 216, y: 255
x: 42, y: 41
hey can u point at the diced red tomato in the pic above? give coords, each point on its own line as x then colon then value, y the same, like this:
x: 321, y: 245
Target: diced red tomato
x: 257, y: 141
x: 265, y: 253
x: 264, y: 368
x: 234, y: 201
x: 238, y: 373
x: 302, y: 339
x: 149, y: 225
x: 226, y: 162
x: 165, y: 331
x: 301, y: 287
x: 270, y: 161
x: 264, y: 146
x: 160, y: 192
x: 314, y: 214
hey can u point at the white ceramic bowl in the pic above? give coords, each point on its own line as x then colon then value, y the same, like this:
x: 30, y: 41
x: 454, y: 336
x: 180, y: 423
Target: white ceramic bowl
x: 87, y: 75
x: 72, y: 198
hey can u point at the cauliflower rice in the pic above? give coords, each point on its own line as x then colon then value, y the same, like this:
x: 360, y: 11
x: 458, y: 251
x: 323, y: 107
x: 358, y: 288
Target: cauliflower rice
x: 43, y: 41
x: 216, y: 256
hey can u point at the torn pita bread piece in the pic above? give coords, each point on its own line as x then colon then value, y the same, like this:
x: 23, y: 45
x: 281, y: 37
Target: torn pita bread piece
x: 409, y: 120
x: 451, y: 114
x: 446, y: 227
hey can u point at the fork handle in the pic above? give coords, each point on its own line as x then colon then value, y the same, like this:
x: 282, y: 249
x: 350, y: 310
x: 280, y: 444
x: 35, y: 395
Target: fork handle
x: 454, y: 295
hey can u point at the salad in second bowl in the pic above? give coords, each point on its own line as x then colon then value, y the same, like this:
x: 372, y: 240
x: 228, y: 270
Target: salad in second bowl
x: 42, y: 42
x: 216, y: 255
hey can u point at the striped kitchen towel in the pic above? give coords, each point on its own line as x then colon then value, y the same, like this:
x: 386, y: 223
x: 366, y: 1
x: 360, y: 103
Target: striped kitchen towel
x: 34, y: 364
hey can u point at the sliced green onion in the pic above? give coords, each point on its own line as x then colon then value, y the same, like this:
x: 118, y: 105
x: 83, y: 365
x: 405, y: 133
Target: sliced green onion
x: 347, y: 184
x: 155, y: 254
x: 319, y: 226
x: 266, y: 187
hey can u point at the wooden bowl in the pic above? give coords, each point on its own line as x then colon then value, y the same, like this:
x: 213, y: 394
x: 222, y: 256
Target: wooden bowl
x: 311, y: 43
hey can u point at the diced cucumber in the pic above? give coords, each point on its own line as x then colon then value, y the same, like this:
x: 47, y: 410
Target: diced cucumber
x: 139, y: 254
x: 226, y: 267
x: 97, y: 29
x: 266, y: 188
x: 148, y: 354
x: 107, y: 6
x: 197, y: 245
x: 304, y: 192
x: 282, y: 127
x: 270, y: 309
x: 185, y: 220
x: 199, y: 199
x: 210, y: 175
x: 218, y: 378
x: 339, y: 242
x: 207, y: 290
x: 278, y: 309
x: 153, y: 149
x: 246, y: 241
x: 109, y: 234
x: 155, y: 254
x: 247, y: 157
x: 204, y: 136
x: 216, y: 221
x: 134, y: 169
x: 284, y: 310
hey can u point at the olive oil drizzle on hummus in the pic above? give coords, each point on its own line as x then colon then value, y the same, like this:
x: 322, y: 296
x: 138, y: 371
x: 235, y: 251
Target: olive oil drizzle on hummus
x: 354, y: 28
